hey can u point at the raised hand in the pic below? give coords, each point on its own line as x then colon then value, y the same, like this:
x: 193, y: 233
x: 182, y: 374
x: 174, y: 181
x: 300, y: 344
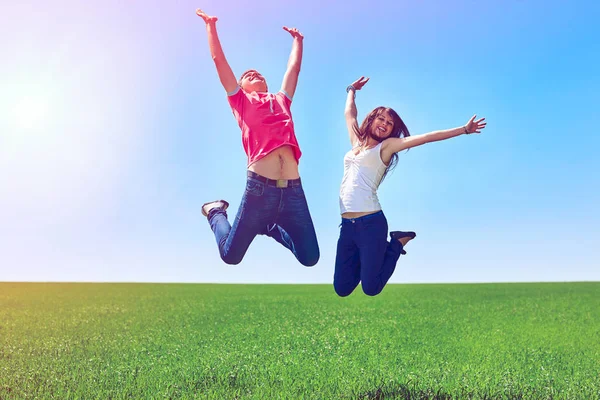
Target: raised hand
x: 205, y: 17
x: 475, y: 126
x: 294, y: 32
x: 360, y: 82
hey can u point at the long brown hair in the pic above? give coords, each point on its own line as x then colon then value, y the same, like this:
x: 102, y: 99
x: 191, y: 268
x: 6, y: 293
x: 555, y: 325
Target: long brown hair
x: 398, y: 131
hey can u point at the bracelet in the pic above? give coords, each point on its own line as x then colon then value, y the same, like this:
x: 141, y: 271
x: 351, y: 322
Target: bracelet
x: 466, y: 132
x: 350, y: 87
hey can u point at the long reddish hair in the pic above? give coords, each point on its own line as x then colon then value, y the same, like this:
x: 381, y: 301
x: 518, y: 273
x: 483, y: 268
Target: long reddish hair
x: 398, y: 131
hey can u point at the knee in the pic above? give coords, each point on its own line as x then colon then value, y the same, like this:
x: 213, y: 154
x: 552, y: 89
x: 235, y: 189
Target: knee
x: 371, y: 290
x: 342, y: 291
x: 310, y: 259
x: 231, y: 259
x: 345, y: 293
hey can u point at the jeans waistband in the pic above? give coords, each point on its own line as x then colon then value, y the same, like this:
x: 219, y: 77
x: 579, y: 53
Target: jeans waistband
x: 278, y: 183
x: 359, y: 219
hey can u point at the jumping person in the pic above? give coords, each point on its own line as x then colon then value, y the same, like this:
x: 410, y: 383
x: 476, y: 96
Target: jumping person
x: 273, y: 203
x: 363, y: 251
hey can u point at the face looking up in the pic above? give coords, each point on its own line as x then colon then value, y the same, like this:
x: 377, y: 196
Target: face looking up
x: 253, y: 81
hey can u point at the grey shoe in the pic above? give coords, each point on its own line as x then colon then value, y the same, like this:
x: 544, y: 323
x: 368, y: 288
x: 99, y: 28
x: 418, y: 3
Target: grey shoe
x: 206, y: 207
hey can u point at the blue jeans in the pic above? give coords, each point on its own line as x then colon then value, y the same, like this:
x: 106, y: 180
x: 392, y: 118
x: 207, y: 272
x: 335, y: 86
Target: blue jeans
x: 364, y: 254
x: 281, y: 213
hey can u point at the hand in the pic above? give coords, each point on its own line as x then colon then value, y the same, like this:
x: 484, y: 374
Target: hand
x: 360, y: 82
x: 205, y: 17
x: 294, y: 32
x: 475, y: 126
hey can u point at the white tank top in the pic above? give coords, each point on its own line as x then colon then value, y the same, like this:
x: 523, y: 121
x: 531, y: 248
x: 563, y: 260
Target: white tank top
x: 362, y: 176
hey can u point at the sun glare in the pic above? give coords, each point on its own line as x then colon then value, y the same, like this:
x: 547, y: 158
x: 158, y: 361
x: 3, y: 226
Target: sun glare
x: 31, y: 112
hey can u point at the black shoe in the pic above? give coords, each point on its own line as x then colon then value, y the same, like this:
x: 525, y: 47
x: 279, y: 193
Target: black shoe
x: 395, y: 235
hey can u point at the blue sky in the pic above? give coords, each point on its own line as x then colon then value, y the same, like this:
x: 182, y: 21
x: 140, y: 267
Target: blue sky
x: 114, y: 129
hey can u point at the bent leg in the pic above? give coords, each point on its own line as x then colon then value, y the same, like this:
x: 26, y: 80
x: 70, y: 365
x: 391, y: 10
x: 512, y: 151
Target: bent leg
x: 233, y: 241
x: 252, y: 216
x: 378, y: 257
x: 294, y: 228
x: 347, y: 263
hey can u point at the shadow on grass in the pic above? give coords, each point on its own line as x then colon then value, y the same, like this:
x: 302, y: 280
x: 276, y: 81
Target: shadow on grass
x: 405, y: 392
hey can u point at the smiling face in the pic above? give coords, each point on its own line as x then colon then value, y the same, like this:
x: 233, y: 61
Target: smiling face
x: 253, y: 81
x: 382, y: 126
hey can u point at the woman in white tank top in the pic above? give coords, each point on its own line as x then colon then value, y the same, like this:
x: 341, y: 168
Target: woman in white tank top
x: 363, y: 251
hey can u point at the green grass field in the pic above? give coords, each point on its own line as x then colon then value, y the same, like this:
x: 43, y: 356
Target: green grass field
x: 488, y: 341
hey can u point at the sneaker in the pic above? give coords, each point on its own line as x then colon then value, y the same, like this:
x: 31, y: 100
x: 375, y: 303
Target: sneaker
x: 206, y: 207
x: 395, y: 235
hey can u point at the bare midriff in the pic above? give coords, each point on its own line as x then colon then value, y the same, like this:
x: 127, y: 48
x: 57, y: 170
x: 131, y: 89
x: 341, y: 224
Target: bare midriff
x: 350, y: 215
x: 278, y: 164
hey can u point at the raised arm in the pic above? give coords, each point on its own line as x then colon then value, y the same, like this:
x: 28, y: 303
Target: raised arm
x: 290, y: 79
x: 350, y: 111
x: 216, y: 51
x: 394, y: 145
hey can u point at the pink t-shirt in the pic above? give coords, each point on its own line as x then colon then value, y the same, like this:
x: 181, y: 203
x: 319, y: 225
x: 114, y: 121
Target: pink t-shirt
x: 266, y: 122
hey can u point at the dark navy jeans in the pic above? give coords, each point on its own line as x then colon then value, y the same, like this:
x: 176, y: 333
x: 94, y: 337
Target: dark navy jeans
x: 281, y: 213
x: 364, y: 254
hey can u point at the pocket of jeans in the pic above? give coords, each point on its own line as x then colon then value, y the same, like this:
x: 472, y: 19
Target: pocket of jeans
x: 255, y: 188
x: 299, y: 191
x: 373, y: 222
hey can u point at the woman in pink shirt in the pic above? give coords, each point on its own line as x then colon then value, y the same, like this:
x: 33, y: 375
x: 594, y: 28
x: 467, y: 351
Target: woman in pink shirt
x: 273, y: 203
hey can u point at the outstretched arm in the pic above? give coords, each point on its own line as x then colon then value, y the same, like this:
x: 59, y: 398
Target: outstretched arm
x: 216, y: 51
x: 394, y: 145
x: 290, y: 79
x: 350, y: 111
